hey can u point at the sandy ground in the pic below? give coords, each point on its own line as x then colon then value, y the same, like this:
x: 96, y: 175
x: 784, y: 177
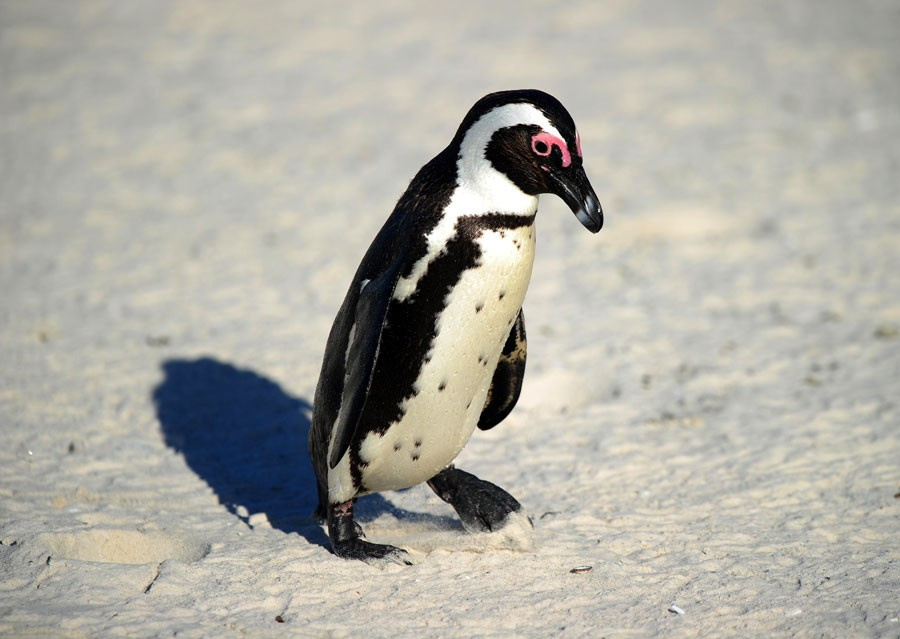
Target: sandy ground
x: 710, y: 417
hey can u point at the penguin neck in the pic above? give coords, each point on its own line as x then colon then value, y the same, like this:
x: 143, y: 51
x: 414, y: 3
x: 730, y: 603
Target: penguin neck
x: 490, y: 195
x: 481, y: 188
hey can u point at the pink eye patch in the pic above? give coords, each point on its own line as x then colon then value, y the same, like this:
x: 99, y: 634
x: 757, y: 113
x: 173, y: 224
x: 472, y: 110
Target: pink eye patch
x: 542, y: 144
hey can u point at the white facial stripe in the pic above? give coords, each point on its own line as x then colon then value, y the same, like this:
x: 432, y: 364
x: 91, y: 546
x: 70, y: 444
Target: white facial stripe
x: 472, y: 164
x: 480, y: 187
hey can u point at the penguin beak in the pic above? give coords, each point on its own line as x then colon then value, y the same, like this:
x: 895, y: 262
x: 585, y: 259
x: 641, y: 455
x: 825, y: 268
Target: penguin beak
x: 573, y: 187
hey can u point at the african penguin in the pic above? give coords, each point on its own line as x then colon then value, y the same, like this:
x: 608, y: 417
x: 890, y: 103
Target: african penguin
x: 430, y: 339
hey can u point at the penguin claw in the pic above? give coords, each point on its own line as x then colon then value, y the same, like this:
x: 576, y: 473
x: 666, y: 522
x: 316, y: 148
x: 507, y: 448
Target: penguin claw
x: 372, y: 554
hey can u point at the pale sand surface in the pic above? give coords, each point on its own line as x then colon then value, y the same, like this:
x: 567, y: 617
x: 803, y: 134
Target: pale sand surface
x: 712, y: 406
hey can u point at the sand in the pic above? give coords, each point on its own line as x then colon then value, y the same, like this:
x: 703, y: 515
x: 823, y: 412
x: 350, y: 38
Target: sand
x: 709, y: 427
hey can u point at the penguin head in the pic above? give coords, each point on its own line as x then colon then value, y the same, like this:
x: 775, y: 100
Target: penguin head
x: 525, y: 140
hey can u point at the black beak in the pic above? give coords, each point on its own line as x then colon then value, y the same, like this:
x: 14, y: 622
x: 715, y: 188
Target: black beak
x: 571, y: 184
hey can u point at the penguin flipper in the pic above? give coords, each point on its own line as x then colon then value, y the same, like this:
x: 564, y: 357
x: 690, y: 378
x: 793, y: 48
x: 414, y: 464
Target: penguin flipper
x: 362, y: 351
x: 508, y: 376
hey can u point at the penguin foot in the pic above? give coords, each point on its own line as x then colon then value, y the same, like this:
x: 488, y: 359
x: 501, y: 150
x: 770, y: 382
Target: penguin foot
x: 481, y: 505
x: 374, y: 554
x: 347, y: 540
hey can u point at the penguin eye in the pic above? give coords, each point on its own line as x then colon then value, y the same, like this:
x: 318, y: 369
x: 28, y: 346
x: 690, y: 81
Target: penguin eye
x: 543, y: 144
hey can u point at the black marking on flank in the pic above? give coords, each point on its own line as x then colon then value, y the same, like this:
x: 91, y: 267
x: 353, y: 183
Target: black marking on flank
x: 442, y: 386
x: 502, y: 295
x: 400, y: 243
x: 478, y: 307
x: 414, y: 457
x: 411, y: 325
x: 397, y: 446
x: 418, y: 442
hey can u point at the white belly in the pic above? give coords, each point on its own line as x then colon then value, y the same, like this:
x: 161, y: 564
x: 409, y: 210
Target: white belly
x: 453, y: 384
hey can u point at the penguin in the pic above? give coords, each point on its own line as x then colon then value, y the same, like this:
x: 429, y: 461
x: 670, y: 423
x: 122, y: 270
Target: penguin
x: 429, y: 342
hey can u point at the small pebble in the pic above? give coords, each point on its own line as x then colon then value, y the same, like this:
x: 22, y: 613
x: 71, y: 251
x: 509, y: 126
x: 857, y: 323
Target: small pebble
x: 678, y: 610
x: 580, y: 569
x: 886, y: 331
x: 157, y: 341
x: 259, y: 520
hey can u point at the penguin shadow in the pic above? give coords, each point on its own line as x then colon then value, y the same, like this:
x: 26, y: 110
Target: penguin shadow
x: 246, y: 437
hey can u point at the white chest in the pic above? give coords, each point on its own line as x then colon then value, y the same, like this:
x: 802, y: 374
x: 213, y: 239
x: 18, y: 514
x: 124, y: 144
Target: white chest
x: 453, y: 383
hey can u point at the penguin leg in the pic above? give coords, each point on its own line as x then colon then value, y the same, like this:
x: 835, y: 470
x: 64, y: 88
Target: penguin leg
x: 481, y: 505
x: 347, y: 539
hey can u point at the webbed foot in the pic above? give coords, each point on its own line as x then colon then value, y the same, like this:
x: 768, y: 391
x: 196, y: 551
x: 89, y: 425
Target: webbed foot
x: 481, y: 505
x: 374, y: 554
